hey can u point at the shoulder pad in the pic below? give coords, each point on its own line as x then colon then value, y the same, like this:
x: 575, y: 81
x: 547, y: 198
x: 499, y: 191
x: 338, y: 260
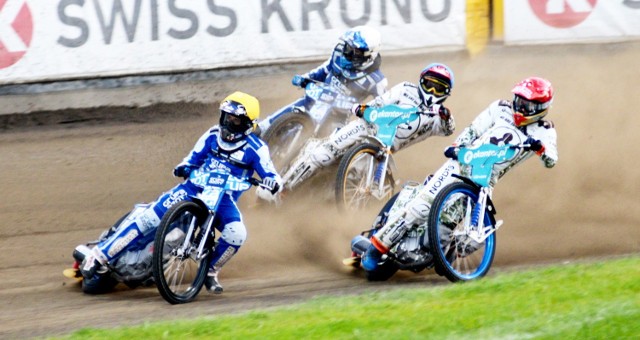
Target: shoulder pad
x: 547, y: 124
x: 504, y: 103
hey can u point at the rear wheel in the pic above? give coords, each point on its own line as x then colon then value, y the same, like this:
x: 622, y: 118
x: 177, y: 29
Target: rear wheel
x: 457, y: 256
x: 286, y: 136
x: 177, y: 272
x: 356, y: 183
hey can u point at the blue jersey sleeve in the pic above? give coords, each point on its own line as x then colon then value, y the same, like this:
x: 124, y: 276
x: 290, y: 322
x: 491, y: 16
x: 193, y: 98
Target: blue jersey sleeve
x: 319, y: 73
x: 200, y: 151
x: 261, y: 160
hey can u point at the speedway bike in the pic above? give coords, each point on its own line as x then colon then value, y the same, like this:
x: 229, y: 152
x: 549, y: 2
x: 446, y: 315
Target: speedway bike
x: 458, y: 239
x: 366, y: 171
x: 185, y: 239
x: 324, y: 109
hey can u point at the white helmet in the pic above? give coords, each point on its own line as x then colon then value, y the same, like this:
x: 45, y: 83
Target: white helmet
x: 361, y: 47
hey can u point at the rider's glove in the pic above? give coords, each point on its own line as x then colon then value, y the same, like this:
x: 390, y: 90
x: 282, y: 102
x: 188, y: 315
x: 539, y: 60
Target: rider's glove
x: 444, y: 113
x: 358, y: 109
x: 452, y: 152
x: 183, y: 171
x: 271, y: 184
x: 300, y: 81
x: 534, y: 145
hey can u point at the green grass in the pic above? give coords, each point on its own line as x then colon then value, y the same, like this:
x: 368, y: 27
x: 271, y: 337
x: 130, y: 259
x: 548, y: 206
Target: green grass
x: 599, y: 300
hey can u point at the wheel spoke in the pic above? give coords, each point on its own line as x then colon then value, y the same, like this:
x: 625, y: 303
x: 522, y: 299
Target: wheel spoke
x: 178, y: 276
x: 461, y: 257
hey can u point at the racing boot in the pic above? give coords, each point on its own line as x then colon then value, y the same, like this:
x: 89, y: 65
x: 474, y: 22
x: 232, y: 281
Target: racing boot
x: 223, y: 252
x: 211, y: 282
x: 371, y: 258
x: 94, y: 263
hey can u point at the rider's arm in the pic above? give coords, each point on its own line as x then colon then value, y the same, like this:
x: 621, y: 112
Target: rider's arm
x: 319, y: 73
x: 443, y: 122
x: 263, y: 165
x: 482, y: 123
x: 199, y: 153
x: 545, y: 132
x: 393, y: 96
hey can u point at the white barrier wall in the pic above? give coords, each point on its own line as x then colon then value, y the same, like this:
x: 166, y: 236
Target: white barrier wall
x: 43, y: 40
x: 562, y: 21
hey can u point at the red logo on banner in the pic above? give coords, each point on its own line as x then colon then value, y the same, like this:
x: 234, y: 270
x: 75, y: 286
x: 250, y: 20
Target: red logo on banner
x: 562, y: 13
x: 16, y: 29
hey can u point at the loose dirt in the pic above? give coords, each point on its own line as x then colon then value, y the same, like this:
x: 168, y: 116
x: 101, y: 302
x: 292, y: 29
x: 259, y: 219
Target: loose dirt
x: 68, y: 175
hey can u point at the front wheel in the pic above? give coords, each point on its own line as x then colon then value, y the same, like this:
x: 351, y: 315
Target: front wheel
x: 286, y: 136
x: 177, y: 272
x: 457, y: 256
x: 358, y: 177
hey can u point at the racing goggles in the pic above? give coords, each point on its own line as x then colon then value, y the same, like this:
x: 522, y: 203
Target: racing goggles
x: 434, y: 86
x: 354, y: 55
x: 528, y: 107
x: 234, y: 123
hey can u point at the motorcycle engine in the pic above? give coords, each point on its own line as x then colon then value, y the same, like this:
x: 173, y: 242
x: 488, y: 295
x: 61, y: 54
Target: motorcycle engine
x: 411, y: 252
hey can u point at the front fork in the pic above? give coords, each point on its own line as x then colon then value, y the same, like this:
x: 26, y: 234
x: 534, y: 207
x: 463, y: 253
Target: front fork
x: 474, y: 225
x: 201, y: 240
x: 379, y: 174
x: 204, y: 236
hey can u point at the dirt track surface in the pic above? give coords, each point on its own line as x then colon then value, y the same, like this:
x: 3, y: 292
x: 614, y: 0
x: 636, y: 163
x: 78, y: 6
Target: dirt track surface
x: 66, y: 177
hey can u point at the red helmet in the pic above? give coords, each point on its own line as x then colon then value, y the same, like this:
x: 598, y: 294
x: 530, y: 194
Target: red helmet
x: 531, y: 101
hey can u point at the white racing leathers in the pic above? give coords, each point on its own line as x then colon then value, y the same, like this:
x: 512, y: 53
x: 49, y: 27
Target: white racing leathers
x: 495, y: 124
x: 320, y: 153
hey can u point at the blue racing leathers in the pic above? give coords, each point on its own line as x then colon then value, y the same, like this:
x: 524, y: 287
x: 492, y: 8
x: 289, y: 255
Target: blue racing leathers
x: 241, y: 159
x: 350, y: 82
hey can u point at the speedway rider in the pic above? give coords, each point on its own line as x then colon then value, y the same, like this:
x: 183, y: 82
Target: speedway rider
x: 435, y: 85
x: 353, y: 70
x: 230, y: 146
x: 532, y: 98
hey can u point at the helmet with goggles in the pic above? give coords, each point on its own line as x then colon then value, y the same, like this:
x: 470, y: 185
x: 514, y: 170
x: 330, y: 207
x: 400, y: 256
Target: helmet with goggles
x: 436, y: 83
x: 532, y: 98
x: 361, y: 46
x: 239, y: 113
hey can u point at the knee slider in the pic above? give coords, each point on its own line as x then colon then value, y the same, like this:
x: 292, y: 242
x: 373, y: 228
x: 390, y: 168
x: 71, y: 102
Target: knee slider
x: 234, y: 233
x: 322, y: 156
x: 418, y: 212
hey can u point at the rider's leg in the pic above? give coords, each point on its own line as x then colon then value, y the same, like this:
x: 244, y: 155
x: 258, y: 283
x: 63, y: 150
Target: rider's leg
x: 315, y: 155
x: 416, y: 212
x: 319, y: 154
x: 264, y: 124
x: 142, y: 221
x: 233, y: 234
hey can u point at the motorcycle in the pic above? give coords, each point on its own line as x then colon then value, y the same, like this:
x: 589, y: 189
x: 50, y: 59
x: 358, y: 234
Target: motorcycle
x: 176, y: 257
x: 366, y: 171
x: 458, y: 239
x: 325, y: 109
x: 132, y: 267
x: 185, y: 239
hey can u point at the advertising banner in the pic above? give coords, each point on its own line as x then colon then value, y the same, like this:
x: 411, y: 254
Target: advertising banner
x: 568, y: 21
x: 43, y: 40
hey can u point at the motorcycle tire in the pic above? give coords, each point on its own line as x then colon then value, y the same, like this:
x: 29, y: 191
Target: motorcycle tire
x: 353, y: 188
x: 286, y: 137
x: 457, y: 256
x: 179, y: 276
x: 388, y: 268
